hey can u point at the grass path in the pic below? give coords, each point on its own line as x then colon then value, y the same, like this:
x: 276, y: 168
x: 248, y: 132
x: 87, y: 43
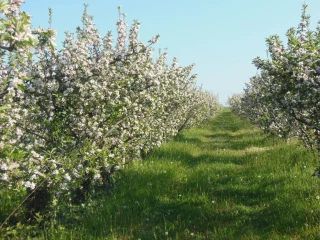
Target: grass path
x: 223, y: 180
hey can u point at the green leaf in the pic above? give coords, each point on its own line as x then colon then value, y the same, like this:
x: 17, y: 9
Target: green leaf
x: 21, y: 87
x: 2, y: 108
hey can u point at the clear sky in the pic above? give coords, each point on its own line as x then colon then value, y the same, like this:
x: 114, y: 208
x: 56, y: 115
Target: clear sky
x: 220, y: 37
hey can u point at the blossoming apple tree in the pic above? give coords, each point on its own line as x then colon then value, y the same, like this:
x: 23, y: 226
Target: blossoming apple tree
x: 285, y: 96
x: 71, y: 117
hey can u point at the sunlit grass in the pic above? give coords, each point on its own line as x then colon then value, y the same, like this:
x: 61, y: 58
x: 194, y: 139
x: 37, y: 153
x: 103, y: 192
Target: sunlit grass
x: 223, y: 180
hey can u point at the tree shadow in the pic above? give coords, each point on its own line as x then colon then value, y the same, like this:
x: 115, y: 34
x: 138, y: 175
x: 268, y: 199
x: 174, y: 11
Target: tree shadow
x: 183, y: 139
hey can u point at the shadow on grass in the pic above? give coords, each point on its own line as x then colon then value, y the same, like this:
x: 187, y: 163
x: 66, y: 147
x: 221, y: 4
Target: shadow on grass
x: 188, y: 160
x: 228, y: 141
x: 227, y: 121
x: 183, y: 139
x: 230, y: 133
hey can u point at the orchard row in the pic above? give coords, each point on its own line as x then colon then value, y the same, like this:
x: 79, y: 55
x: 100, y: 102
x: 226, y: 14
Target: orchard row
x: 71, y: 117
x: 284, y: 98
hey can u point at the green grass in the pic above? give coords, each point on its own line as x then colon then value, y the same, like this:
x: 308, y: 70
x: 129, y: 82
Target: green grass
x: 223, y: 180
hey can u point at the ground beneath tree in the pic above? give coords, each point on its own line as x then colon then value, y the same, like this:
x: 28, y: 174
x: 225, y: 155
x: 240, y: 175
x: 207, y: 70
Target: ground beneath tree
x: 223, y: 180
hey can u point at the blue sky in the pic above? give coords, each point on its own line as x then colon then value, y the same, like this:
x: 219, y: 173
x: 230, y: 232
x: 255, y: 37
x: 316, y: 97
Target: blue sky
x: 220, y: 37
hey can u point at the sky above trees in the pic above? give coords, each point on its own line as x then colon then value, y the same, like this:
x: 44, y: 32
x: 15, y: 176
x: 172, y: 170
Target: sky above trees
x: 220, y: 37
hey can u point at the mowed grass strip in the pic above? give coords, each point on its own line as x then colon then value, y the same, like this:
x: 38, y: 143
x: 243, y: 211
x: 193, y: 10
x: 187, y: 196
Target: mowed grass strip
x: 223, y: 180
